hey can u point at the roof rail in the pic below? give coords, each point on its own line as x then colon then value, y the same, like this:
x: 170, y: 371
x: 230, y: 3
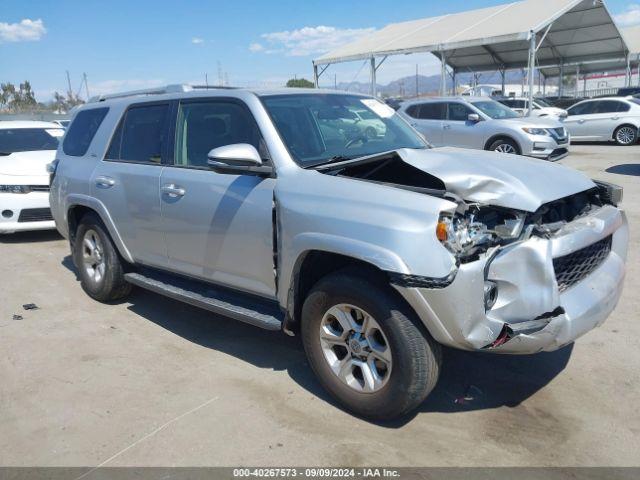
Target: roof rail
x: 176, y: 88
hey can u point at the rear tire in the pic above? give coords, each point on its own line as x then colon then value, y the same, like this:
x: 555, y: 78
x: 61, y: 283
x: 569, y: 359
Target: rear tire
x: 384, y: 366
x: 626, y: 135
x: 99, y: 264
x: 505, y: 145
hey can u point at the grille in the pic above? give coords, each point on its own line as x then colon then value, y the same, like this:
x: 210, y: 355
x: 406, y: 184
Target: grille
x: 559, y: 133
x: 39, y: 188
x: 35, y: 215
x: 574, y: 267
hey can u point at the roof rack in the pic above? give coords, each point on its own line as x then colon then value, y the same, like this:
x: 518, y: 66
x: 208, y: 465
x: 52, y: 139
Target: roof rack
x: 175, y: 88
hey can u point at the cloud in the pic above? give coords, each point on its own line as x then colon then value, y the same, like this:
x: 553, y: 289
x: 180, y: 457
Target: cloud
x: 311, y: 40
x: 256, y: 47
x: 197, y: 40
x: 25, y: 31
x: 631, y: 16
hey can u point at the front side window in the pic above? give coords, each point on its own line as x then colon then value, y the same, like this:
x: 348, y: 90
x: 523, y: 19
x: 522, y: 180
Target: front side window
x: 459, y: 112
x: 582, y: 108
x: 203, y: 126
x: 141, y: 135
x: 29, y: 139
x: 319, y: 128
x: 494, y: 110
x: 82, y: 130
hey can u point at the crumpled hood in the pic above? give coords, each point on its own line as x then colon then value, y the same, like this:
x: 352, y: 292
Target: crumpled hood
x: 498, y: 179
x: 31, y: 164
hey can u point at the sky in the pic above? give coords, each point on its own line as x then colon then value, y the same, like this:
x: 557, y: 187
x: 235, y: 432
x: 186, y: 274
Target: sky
x: 124, y: 45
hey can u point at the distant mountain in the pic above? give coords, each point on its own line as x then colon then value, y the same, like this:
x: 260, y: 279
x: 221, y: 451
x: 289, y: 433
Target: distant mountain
x: 406, y: 86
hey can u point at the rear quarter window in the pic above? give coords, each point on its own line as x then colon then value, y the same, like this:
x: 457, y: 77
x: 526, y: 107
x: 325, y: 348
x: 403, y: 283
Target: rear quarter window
x: 82, y: 130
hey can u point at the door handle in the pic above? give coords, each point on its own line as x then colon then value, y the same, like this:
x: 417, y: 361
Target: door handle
x: 581, y: 121
x: 615, y: 118
x: 173, y: 190
x: 446, y: 127
x: 105, y: 182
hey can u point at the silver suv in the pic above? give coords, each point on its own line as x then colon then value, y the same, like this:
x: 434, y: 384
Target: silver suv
x: 269, y: 207
x: 484, y: 124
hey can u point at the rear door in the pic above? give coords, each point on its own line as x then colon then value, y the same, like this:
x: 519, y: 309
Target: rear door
x: 458, y: 131
x: 127, y: 180
x: 606, y: 118
x: 427, y: 118
x: 218, y: 227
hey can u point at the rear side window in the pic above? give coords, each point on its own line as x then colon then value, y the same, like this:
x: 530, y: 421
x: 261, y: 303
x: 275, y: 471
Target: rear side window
x: 611, y: 106
x: 413, y: 110
x: 141, y: 135
x: 433, y: 111
x: 82, y: 130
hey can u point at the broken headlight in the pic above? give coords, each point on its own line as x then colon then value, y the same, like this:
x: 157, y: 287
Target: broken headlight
x: 479, y: 228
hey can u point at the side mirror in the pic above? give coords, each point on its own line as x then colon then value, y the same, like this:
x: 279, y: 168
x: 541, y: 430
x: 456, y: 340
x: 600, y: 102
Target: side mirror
x: 237, y: 159
x: 473, y: 117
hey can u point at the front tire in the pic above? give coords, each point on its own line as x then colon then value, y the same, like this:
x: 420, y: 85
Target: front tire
x: 99, y: 265
x: 366, y: 347
x: 626, y: 135
x: 505, y: 145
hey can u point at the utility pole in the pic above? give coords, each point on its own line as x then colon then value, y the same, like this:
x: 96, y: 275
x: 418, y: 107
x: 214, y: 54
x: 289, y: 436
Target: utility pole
x: 86, y: 85
x: 206, y: 79
x: 417, y: 93
x: 69, y: 91
x: 335, y: 81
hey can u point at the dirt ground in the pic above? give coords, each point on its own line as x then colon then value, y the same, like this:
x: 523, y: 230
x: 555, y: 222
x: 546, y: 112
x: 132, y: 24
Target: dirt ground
x: 153, y: 382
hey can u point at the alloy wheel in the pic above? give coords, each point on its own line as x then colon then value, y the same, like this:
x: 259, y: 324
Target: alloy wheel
x: 626, y: 135
x: 93, y: 259
x: 505, y: 148
x: 355, y: 348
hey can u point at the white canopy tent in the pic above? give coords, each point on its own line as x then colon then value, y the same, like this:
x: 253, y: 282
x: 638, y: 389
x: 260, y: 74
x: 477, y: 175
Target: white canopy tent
x: 631, y: 36
x: 527, y: 34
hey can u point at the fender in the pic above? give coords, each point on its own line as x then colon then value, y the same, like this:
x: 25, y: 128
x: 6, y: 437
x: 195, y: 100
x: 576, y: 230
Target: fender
x: 97, y: 206
x: 379, y: 257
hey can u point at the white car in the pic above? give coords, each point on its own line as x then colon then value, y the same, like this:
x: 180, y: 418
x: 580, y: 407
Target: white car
x: 605, y: 119
x: 540, y: 107
x: 26, y: 147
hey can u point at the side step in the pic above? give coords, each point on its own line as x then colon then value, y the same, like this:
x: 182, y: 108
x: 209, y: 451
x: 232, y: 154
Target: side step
x: 246, y: 308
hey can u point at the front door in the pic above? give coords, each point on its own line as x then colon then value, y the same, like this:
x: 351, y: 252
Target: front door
x: 458, y: 131
x: 127, y: 180
x: 217, y: 227
x: 578, y: 121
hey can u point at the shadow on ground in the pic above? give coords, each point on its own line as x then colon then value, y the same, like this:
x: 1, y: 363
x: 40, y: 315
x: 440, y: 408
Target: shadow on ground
x: 632, y: 169
x: 30, y: 237
x: 469, y: 380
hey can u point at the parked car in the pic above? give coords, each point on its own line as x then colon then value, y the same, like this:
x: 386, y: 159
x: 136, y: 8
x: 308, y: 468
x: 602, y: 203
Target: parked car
x: 628, y: 91
x: 374, y: 250
x: 484, y: 124
x: 26, y: 148
x: 540, y: 107
x: 606, y: 119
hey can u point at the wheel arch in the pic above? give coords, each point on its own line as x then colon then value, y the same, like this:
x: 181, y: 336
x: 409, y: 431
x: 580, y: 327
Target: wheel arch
x: 79, y: 206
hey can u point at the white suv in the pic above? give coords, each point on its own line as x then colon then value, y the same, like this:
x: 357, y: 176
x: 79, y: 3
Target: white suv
x: 26, y: 148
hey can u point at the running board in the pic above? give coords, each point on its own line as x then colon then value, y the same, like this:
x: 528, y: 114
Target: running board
x: 246, y: 308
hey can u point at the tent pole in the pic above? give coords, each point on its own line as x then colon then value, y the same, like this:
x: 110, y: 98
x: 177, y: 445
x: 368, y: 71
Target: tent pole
x: 638, y: 69
x: 561, y: 80
x: 373, y: 76
x: 454, y: 87
x: 627, y: 82
x: 544, y: 86
x: 532, y: 66
x: 577, y: 81
x: 443, y: 76
x: 503, y: 73
x: 315, y: 75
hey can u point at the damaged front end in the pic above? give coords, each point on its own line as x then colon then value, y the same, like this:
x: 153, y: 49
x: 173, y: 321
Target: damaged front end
x: 527, y: 282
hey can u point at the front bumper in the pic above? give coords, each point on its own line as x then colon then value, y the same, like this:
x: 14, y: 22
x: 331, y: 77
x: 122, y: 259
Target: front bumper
x: 22, y: 207
x: 546, y: 147
x: 529, y: 304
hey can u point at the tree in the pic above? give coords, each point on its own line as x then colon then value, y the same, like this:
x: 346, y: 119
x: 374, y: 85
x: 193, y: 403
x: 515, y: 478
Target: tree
x: 300, y: 83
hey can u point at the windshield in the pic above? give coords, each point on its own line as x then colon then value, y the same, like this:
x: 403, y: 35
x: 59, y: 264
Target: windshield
x: 29, y: 139
x: 494, y: 110
x: 542, y: 103
x: 321, y: 128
